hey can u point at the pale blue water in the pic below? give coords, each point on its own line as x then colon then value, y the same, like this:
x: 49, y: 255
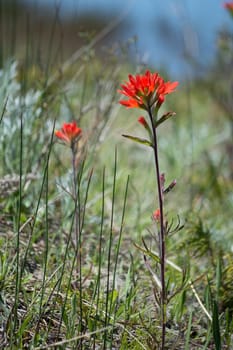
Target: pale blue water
x: 193, y: 24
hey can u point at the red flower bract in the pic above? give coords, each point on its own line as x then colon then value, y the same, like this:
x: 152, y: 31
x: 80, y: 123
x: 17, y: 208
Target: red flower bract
x: 68, y: 133
x: 228, y: 5
x: 157, y: 215
x: 142, y: 121
x: 145, y: 90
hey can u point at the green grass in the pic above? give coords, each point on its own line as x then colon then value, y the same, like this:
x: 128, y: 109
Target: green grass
x: 47, y: 298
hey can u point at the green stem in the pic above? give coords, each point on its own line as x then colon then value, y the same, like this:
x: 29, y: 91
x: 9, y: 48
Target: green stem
x: 77, y: 234
x: 108, y: 302
x: 162, y: 245
x: 18, y: 271
x: 75, y: 197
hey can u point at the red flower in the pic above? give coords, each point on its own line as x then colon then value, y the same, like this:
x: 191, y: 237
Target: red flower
x: 156, y: 215
x: 69, y: 133
x: 143, y: 121
x: 228, y: 5
x: 145, y: 90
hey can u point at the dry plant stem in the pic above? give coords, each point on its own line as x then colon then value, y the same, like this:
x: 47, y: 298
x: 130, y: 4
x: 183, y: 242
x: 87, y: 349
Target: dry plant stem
x: 161, y: 232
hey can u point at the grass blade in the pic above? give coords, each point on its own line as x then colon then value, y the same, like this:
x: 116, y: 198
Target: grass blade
x: 187, y: 341
x: 216, y: 327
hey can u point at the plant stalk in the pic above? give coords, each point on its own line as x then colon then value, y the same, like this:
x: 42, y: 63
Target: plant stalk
x: 77, y: 232
x: 162, y: 245
x: 75, y: 197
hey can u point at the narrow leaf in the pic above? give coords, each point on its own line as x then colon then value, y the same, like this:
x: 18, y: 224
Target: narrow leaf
x: 148, y: 253
x: 216, y: 328
x: 218, y: 276
x: 139, y: 140
x: 163, y: 118
x: 187, y: 340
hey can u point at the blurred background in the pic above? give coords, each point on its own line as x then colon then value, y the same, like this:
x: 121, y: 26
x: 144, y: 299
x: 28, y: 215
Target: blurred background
x: 179, y: 35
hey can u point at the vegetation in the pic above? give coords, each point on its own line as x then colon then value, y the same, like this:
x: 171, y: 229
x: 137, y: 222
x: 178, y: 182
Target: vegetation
x: 79, y: 264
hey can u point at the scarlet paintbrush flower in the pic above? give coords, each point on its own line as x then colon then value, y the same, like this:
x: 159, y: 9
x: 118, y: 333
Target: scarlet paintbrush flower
x: 142, y: 121
x: 157, y: 215
x: 228, y: 5
x: 68, y: 133
x: 145, y: 90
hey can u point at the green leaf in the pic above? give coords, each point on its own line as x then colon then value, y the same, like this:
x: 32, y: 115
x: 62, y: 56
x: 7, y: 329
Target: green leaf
x: 218, y: 276
x: 139, y: 140
x: 216, y: 327
x: 163, y: 118
x: 187, y: 340
x: 148, y: 253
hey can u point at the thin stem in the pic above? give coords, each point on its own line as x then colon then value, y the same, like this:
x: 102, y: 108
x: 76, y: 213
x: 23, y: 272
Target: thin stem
x: 77, y: 233
x: 96, y: 293
x: 46, y: 238
x: 108, y: 302
x: 117, y: 253
x: 18, y: 272
x: 162, y: 246
x: 75, y: 196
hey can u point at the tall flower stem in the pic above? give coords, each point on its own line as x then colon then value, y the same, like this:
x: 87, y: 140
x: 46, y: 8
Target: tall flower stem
x: 75, y: 197
x: 69, y: 134
x: 77, y: 231
x: 147, y: 91
x: 162, y: 232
